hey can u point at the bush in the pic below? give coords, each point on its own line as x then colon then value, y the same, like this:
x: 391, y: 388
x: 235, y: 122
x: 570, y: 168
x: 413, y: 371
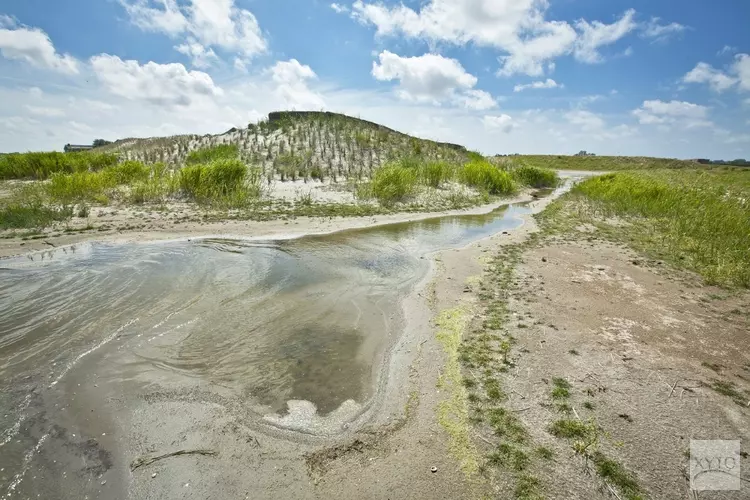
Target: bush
x: 487, y: 177
x: 535, y: 177
x: 392, y: 183
x: 207, y: 155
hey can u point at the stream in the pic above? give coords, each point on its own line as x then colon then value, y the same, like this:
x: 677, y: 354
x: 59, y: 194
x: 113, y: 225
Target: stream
x: 293, y: 331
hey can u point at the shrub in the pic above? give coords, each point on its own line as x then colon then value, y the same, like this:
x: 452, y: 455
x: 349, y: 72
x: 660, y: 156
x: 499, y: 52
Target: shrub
x: 206, y: 155
x: 487, y: 177
x: 392, y: 183
x: 535, y: 177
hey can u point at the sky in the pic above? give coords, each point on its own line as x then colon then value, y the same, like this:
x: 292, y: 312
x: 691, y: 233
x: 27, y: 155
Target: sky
x: 618, y: 77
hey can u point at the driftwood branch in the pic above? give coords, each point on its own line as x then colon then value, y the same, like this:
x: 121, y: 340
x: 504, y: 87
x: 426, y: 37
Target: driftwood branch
x: 141, y: 461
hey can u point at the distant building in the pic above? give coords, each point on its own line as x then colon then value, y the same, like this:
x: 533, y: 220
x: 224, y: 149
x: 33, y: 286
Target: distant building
x: 74, y: 148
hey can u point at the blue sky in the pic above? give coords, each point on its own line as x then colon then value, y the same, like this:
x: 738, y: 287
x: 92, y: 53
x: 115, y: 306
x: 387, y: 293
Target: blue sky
x: 637, y: 77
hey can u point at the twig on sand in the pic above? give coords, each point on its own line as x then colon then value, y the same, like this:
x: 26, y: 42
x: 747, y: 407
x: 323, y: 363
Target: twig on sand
x: 670, y: 392
x: 141, y: 461
x: 612, y: 490
x: 521, y: 409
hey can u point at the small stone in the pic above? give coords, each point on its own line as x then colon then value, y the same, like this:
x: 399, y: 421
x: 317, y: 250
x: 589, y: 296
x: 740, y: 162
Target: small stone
x: 153, y: 475
x: 433, y: 469
x: 544, y: 259
x: 104, y: 482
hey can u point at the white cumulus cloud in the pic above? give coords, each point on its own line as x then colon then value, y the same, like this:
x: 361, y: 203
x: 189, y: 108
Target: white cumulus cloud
x: 291, y: 79
x: 549, y: 83
x: 159, y: 84
x: 209, y: 24
x: 719, y: 81
x: 33, y: 46
x: 431, y: 78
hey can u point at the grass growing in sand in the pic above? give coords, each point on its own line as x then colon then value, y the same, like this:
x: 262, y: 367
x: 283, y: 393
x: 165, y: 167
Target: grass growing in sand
x: 699, y: 220
x: 42, y: 165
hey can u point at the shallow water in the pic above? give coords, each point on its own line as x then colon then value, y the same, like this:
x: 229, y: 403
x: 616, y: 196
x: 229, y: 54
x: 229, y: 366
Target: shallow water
x: 267, y: 321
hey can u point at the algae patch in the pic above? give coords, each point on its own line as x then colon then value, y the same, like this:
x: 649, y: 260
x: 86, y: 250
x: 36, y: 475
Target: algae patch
x: 453, y: 412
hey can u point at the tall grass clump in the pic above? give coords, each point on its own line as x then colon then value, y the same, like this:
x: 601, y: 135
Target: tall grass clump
x: 487, y: 177
x: 42, y: 165
x: 535, y: 177
x: 392, y: 183
x: 698, y: 223
x: 207, y: 155
x: 221, y: 182
x: 80, y: 186
x: 435, y: 173
x: 19, y: 215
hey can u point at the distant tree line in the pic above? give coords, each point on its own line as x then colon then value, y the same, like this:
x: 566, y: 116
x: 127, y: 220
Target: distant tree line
x: 739, y: 162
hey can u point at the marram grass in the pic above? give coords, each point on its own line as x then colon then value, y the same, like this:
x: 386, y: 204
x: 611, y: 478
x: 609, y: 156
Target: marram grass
x: 698, y: 220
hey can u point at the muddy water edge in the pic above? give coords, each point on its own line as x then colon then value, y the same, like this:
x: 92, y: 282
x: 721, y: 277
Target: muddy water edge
x: 112, y: 352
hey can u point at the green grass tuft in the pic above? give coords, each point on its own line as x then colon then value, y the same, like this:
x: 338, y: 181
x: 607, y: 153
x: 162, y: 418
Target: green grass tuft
x: 207, y: 155
x: 487, y: 177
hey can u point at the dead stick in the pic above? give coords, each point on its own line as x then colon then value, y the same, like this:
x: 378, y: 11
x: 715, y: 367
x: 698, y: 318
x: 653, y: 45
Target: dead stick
x: 670, y: 392
x: 141, y: 461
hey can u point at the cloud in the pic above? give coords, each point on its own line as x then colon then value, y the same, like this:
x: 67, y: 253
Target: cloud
x: 158, y: 84
x: 169, y: 20
x: 199, y: 55
x: 549, y: 83
x: 529, y: 57
x: 586, y: 120
x: 340, y: 9
x: 720, y: 81
x: 504, y: 123
x: 207, y: 23
x: 661, y: 32
x: 43, y: 111
x: 682, y: 113
x: 705, y: 73
x: 291, y: 79
x: 476, y: 99
x: 596, y: 34
x: 727, y: 49
x: 741, y: 68
x: 528, y: 42
x: 33, y: 46
x: 431, y: 78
